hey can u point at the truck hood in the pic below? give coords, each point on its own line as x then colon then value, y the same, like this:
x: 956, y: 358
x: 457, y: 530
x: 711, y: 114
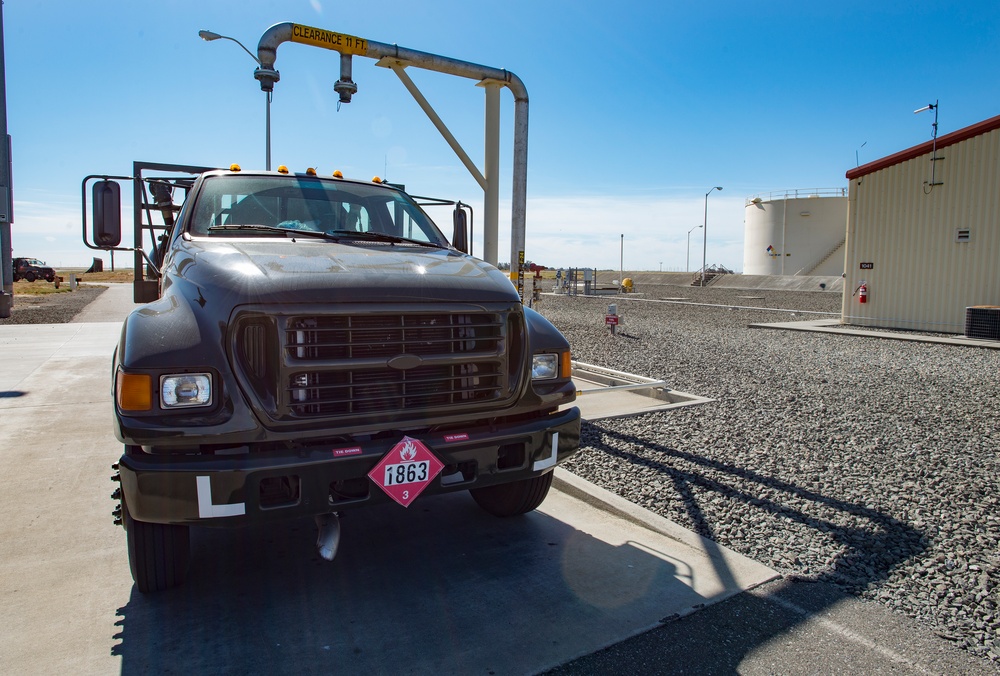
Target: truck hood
x: 314, y: 270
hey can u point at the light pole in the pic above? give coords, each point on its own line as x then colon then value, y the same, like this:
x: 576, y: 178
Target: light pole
x: 704, y: 233
x: 209, y: 36
x: 687, y: 265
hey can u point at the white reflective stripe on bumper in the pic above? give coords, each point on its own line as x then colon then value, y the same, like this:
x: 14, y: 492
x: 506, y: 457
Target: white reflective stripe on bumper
x: 207, y: 510
x: 551, y: 460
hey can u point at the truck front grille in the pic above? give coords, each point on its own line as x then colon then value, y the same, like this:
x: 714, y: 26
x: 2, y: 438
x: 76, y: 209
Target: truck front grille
x: 378, y: 366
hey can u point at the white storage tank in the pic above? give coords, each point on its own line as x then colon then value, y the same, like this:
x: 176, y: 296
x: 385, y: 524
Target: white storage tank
x: 795, y: 232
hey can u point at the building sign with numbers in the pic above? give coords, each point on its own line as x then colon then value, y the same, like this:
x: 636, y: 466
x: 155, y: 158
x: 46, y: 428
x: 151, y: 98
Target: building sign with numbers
x: 406, y: 471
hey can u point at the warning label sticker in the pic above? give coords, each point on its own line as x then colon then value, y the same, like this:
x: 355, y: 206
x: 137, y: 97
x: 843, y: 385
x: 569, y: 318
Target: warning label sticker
x: 338, y: 42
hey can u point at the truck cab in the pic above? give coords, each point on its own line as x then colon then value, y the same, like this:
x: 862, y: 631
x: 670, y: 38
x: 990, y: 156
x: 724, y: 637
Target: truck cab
x: 313, y: 345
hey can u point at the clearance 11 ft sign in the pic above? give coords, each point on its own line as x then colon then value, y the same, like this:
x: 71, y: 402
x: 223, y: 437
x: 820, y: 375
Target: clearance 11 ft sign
x: 338, y: 42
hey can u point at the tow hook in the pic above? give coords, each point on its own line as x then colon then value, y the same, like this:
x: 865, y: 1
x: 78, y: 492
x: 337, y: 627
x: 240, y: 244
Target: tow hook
x: 328, y: 538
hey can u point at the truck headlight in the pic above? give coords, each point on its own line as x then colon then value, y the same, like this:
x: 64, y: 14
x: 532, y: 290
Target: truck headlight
x: 544, y: 366
x: 186, y: 390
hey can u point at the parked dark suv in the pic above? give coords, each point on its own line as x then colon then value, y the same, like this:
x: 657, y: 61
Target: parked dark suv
x: 30, y: 269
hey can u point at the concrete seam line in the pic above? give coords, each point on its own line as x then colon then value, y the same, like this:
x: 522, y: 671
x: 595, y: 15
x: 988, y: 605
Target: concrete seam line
x: 847, y: 633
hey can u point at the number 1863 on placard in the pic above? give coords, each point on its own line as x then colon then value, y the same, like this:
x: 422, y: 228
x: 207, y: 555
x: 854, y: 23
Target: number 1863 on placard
x: 406, y: 473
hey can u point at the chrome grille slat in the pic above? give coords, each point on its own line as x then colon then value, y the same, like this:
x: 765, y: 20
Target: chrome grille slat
x: 254, y: 348
x: 337, y: 365
x: 349, y: 337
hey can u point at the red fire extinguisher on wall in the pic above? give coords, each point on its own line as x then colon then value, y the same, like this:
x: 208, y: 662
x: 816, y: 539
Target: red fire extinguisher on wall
x: 863, y: 293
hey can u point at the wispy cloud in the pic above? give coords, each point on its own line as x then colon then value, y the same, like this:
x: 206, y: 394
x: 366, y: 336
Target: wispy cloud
x: 561, y: 231
x: 586, y: 231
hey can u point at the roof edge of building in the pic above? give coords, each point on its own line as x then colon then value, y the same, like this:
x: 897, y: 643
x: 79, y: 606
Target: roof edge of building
x: 926, y: 147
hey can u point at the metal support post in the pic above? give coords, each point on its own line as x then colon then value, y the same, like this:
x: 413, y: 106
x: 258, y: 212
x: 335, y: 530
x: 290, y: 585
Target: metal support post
x: 491, y: 197
x: 6, y: 197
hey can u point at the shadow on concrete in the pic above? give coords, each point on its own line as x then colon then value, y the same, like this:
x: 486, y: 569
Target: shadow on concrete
x: 785, y: 627
x: 439, y: 588
x: 719, y: 639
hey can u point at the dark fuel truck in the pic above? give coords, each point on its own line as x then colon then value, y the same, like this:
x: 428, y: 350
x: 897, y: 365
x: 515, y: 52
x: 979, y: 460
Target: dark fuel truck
x: 309, y: 345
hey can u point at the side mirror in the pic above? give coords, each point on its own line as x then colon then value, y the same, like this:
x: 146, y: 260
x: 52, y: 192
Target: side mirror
x: 107, y: 226
x: 460, y: 235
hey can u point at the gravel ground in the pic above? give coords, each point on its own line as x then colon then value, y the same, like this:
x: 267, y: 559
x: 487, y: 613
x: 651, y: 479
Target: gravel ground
x: 868, y: 463
x: 53, y: 308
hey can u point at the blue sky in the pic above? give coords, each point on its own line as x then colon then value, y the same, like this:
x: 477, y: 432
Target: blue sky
x: 636, y: 108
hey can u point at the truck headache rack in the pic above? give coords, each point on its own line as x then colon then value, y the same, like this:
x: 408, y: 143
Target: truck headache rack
x: 155, y: 201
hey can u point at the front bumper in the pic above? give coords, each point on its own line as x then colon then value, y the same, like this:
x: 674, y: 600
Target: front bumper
x: 235, y: 490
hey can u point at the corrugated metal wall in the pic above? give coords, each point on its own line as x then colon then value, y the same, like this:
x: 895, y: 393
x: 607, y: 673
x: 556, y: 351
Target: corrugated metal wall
x: 921, y: 278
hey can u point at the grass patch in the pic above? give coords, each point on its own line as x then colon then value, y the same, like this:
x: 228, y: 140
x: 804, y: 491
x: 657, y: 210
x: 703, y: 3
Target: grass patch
x: 39, y: 288
x: 123, y: 275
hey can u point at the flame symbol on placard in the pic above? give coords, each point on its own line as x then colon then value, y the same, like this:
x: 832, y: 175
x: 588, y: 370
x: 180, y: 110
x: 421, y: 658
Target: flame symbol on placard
x: 408, y: 451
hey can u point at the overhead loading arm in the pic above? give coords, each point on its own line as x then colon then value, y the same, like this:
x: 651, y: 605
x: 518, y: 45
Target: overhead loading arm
x: 398, y: 58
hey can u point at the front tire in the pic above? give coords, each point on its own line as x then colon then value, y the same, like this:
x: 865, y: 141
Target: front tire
x: 157, y: 554
x: 516, y: 497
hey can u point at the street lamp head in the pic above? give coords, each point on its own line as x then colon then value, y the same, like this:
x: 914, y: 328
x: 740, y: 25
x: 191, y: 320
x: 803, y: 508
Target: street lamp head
x: 209, y: 36
x: 718, y: 187
x: 266, y: 76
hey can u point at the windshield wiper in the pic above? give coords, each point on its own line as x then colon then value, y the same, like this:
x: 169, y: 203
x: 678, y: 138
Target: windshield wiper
x: 383, y: 237
x: 275, y: 229
x: 331, y: 236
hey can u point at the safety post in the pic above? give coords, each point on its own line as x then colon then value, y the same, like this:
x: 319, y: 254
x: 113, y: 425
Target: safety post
x: 611, y: 319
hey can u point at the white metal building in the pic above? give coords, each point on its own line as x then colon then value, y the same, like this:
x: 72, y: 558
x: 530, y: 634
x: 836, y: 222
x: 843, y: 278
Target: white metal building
x: 795, y: 232
x: 923, y: 233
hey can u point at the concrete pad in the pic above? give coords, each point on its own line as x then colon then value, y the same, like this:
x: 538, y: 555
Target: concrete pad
x: 786, y: 627
x: 603, y: 393
x: 835, y: 326
x: 27, y: 347
x: 441, y: 587
x: 597, y: 403
x: 110, y: 305
x: 820, y: 284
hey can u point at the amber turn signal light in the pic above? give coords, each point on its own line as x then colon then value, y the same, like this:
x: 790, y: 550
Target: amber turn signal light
x: 134, y: 392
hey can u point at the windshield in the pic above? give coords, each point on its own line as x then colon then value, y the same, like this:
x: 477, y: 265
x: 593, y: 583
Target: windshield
x: 227, y: 204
